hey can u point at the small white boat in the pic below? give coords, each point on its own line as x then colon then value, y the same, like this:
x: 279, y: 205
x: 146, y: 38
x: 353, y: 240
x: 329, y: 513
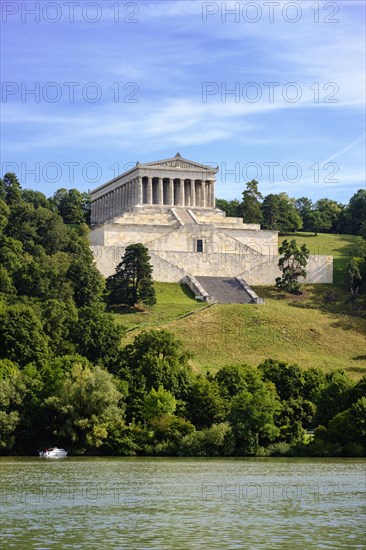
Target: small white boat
x: 53, y: 452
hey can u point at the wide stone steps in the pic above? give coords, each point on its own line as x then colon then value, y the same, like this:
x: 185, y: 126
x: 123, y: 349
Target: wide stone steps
x: 225, y: 290
x: 185, y: 216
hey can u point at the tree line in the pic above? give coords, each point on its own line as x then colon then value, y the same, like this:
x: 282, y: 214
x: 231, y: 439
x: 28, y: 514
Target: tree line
x: 68, y: 377
x: 284, y: 214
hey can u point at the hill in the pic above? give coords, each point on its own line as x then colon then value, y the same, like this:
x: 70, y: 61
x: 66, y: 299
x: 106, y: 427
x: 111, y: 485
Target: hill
x: 305, y: 329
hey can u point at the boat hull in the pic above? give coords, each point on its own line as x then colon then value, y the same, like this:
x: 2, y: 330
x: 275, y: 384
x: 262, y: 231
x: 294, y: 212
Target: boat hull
x: 53, y: 453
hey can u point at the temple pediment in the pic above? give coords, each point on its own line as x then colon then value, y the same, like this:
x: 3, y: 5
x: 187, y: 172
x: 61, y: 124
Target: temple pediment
x: 179, y: 162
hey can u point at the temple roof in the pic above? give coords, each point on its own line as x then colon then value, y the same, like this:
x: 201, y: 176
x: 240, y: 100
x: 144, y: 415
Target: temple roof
x: 177, y: 162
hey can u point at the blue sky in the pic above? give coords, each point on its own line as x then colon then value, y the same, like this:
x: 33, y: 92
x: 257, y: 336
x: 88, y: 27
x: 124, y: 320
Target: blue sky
x: 268, y: 90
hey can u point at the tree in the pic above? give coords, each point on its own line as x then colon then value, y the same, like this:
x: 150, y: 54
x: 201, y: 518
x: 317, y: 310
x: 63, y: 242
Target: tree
x: 279, y: 213
x: 22, y: 338
x: 250, y: 208
x: 292, y: 263
x: 86, y: 408
x: 304, y: 206
x: 349, y: 426
x: 252, y: 417
x: 72, y: 205
x: 97, y: 335
x: 356, y: 212
x: 330, y: 212
x: 315, y: 221
x: 155, y: 358
x: 36, y: 198
x: 132, y: 283
x: 20, y: 391
x: 334, y: 397
x: 12, y: 392
x: 12, y: 189
x: 205, y: 403
x: 353, y: 278
x: 159, y: 402
x: 288, y: 379
x: 231, y: 208
x: 88, y: 283
x: 4, y: 214
x: 231, y: 380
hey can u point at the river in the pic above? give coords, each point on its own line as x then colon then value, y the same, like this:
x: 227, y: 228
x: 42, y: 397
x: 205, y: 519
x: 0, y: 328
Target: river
x: 182, y: 503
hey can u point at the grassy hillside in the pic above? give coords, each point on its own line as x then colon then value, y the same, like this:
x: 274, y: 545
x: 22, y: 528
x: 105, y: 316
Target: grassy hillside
x: 305, y: 329
x: 281, y: 329
x: 173, y: 302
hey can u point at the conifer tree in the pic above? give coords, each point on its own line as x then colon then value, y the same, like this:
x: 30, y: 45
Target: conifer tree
x: 250, y: 208
x: 132, y: 283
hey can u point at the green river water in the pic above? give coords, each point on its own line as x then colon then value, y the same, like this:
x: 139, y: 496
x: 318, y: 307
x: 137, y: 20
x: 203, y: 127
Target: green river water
x: 170, y: 503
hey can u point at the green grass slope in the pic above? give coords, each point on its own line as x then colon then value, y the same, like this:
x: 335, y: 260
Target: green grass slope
x: 280, y: 329
x: 305, y: 329
x: 173, y: 302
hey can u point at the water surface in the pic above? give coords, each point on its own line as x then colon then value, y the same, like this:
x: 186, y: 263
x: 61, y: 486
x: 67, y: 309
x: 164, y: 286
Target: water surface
x: 166, y: 503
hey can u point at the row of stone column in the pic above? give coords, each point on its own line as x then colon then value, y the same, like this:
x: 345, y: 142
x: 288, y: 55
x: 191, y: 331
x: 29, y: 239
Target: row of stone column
x: 161, y: 191
x: 116, y: 201
x: 178, y: 192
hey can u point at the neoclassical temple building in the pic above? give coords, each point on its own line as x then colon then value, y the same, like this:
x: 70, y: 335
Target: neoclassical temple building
x: 169, y: 205
x: 171, y: 182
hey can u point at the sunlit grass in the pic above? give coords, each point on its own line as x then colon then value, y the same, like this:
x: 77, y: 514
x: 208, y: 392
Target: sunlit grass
x: 305, y: 330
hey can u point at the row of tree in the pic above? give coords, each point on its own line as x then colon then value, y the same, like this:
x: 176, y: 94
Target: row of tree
x: 285, y: 214
x: 150, y: 402
x: 72, y: 205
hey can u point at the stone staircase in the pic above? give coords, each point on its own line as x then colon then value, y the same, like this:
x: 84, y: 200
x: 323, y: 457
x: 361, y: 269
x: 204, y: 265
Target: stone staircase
x: 183, y: 215
x: 226, y: 290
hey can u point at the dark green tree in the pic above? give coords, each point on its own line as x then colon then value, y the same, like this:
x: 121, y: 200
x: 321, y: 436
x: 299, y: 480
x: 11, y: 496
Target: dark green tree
x: 231, y: 380
x: 88, y: 283
x: 292, y: 263
x: 279, y: 213
x: 334, y: 398
x: 12, y: 189
x: 250, y: 208
x: 132, y: 283
x: 304, y: 206
x: 231, y: 208
x: 252, y: 418
x: 353, y: 277
x: 356, y: 212
x: 349, y: 427
x: 72, y: 205
x: 288, y: 379
x: 22, y: 338
x: 155, y: 358
x: 206, y: 406
x: 13, y: 391
x: 330, y: 212
x: 4, y: 214
x: 97, y: 336
x: 316, y: 222
x: 36, y: 198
